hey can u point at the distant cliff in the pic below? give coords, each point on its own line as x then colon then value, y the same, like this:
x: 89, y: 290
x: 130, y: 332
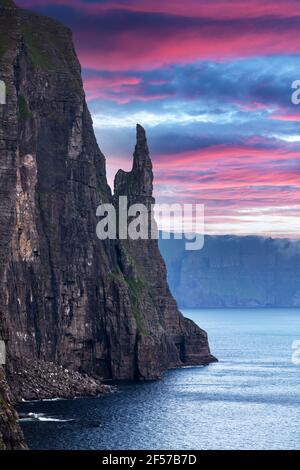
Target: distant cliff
x: 71, y: 302
x: 234, y: 272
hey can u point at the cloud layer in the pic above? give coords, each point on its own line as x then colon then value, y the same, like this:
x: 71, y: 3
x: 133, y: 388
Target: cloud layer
x: 211, y: 82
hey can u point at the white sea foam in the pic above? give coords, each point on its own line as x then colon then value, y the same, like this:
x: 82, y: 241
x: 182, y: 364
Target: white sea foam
x: 53, y: 399
x: 42, y: 417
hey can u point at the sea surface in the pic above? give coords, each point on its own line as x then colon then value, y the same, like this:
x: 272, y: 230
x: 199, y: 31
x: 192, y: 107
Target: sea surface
x: 250, y: 399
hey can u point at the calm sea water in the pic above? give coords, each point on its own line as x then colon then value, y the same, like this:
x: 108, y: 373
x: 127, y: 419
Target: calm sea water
x: 249, y: 400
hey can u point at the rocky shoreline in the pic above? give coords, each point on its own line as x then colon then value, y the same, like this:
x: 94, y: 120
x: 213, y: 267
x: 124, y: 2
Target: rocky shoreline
x: 38, y: 380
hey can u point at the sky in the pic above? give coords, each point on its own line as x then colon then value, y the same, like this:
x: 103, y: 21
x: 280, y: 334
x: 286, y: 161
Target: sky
x: 211, y: 83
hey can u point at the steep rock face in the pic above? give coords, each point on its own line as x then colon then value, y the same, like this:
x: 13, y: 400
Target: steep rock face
x: 234, y: 271
x: 53, y: 175
x: 11, y: 436
x: 102, y: 308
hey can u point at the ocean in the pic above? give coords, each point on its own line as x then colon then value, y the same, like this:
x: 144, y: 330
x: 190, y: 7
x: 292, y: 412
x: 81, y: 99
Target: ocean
x: 250, y: 399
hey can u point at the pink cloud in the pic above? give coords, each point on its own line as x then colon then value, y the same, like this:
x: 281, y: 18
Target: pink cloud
x: 148, y: 51
x: 118, y: 88
x: 294, y: 117
x: 112, y: 87
x: 224, y: 154
x: 230, y: 180
x: 218, y: 9
x: 196, y: 29
x: 236, y: 184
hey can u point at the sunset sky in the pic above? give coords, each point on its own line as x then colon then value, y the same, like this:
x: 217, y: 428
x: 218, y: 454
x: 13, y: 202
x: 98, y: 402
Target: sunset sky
x: 211, y: 83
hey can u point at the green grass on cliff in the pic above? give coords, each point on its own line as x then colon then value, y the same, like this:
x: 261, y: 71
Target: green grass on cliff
x: 47, y: 49
x: 33, y: 42
x: 23, y: 110
x: 136, y: 289
x: 3, y: 44
x: 7, y: 25
x: 117, y: 277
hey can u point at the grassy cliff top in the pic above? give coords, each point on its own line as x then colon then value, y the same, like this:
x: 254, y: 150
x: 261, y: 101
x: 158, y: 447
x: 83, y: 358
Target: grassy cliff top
x: 48, y: 43
x: 7, y: 4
